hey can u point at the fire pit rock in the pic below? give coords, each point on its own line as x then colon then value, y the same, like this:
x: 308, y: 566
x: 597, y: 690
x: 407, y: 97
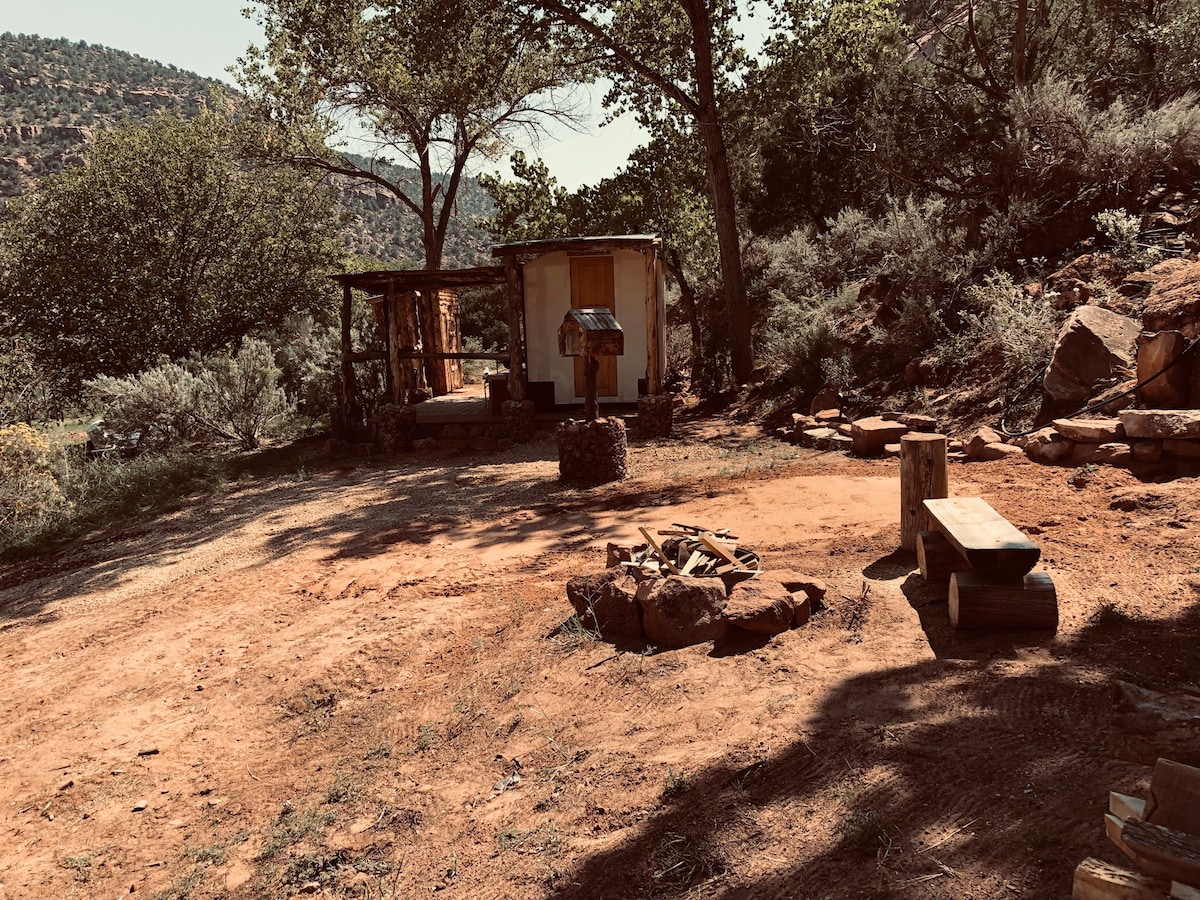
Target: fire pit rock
x: 764, y: 607
x: 606, y: 604
x: 679, y: 612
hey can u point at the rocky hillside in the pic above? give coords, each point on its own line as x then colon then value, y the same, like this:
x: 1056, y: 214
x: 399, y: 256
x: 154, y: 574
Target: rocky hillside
x: 55, y: 93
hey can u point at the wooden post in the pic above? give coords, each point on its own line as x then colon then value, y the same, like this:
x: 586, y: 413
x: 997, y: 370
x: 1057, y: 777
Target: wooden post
x: 937, y: 557
x: 392, y: 316
x: 654, y: 372
x: 517, y: 378
x: 351, y: 411
x: 922, y: 477
x: 591, y: 365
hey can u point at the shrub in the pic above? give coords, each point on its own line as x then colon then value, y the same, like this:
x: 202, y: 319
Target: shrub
x: 28, y: 488
x: 226, y: 397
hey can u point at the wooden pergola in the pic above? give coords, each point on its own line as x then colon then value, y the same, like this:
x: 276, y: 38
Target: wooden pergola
x: 415, y: 336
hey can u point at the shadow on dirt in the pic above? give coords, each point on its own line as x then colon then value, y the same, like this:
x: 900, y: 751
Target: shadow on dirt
x: 987, y: 772
x: 425, y: 496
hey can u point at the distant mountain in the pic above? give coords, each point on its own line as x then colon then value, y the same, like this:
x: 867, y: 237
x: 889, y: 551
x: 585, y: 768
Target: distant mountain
x: 54, y: 94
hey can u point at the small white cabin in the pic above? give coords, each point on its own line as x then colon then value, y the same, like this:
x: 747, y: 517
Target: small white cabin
x: 549, y: 278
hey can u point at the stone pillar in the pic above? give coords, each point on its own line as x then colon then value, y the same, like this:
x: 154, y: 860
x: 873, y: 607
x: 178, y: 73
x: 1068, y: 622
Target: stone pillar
x: 592, y: 452
x: 396, y: 426
x: 656, y: 415
x: 520, y: 419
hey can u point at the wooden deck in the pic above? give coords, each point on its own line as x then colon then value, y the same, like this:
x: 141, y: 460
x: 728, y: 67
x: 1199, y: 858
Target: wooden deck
x: 467, y: 405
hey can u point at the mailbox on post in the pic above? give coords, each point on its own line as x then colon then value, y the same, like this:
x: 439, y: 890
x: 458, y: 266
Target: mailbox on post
x: 590, y: 333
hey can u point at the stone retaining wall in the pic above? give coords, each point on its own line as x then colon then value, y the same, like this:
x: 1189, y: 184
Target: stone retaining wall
x: 591, y: 452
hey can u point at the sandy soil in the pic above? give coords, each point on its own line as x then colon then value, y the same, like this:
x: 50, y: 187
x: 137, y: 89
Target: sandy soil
x: 346, y: 680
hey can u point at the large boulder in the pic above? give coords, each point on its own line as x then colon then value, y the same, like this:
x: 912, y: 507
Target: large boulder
x: 1093, y: 345
x: 1174, y: 300
x: 606, y: 603
x: 1162, y: 424
x: 870, y: 435
x: 980, y: 439
x: 1156, y: 351
x: 679, y: 612
x: 764, y: 607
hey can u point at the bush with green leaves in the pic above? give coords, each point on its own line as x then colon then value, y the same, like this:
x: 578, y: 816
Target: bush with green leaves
x: 233, y: 398
x: 1022, y: 326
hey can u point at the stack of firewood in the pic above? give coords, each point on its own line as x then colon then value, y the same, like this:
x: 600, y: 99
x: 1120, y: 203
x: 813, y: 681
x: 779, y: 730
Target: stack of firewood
x: 1160, y: 833
x: 687, y: 550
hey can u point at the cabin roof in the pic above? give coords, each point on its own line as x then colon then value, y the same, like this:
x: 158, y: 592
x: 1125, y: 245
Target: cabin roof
x: 595, y: 244
x: 422, y: 279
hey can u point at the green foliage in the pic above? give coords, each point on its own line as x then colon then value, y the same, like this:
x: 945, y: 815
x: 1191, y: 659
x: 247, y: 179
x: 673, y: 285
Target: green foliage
x: 96, y: 494
x: 1022, y: 327
x: 28, y: 488
x: 1123, y: 231
x: 438, y: 82
x: 162, y: 245
x: 227, y: 397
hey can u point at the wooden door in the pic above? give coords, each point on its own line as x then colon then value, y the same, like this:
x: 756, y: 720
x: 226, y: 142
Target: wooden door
x: 592, y: 286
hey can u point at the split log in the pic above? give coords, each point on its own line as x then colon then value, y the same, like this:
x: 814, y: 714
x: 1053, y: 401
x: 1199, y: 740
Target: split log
x: 988, y: 541
x: 1097, y: 880
x: 1164, y: 852
x: 937, y: 557
x: 1126, y: 808
x: 1174, y: 800
x: 922, y: 477
x: 1148, y: 725
x: 1184, y: 892
x: 976, y: 602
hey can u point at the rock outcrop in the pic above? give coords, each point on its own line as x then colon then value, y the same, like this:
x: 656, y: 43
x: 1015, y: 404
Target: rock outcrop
x: 1093, y: 345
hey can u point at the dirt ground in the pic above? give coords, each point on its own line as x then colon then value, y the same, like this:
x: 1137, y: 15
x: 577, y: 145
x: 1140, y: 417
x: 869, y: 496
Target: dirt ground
x: 349, y: 680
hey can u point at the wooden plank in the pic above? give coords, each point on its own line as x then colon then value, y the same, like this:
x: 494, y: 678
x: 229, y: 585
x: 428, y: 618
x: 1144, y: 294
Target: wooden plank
x: 658, y: 551
x: 692, y: 562
x: 1164, y: 852
x: 1126, y: 808
x: 1098, y: 880
x: 988, y: 541
x: 1114, y: 827
x: 977, y: 602
x: 1184, y: 892
x: 715, y: 545
x: 1174, y: 800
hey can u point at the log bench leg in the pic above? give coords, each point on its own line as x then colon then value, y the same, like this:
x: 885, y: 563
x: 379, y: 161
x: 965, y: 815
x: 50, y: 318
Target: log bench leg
x: 937, y: 557
x: 1028, y: 603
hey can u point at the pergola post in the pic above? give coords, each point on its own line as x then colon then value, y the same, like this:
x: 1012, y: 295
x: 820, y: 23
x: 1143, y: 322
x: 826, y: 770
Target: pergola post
x: 351, y: 410
x: 517, y: 377
x: 654, y: 369
x: 392, y: 317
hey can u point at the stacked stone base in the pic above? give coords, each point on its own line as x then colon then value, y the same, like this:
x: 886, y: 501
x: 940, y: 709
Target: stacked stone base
x: 520, y: 419
x: 396, y: 425
x: 592, y: 452
x: 656, y: 415
x: 1146, y: 437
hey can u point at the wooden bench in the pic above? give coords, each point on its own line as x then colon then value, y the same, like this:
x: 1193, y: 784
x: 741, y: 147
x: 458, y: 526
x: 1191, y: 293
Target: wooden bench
x: 988, y: 562
x: 985, y: 539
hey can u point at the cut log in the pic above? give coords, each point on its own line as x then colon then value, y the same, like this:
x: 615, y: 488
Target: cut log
x: 1097, y: 880
x: 1184, y: 892
x: 1174, y: 800
x: 1114, y: 827
x: 1164, y: 852
x: 1029, y: 602
x: 1126, y: 808
x: 937, y: 557
x: 1147, y: 726
x: 988, y: 541
x: 922, y: 477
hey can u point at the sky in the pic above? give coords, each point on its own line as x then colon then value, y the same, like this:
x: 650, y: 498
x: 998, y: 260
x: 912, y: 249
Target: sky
x: 207, y: 37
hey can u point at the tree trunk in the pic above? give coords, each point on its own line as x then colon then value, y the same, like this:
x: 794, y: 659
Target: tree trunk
x: 708, y: 122
x: 687, y: 296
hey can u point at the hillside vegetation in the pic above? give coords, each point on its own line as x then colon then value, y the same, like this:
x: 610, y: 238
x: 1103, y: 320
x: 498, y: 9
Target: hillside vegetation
x: 55, y: 94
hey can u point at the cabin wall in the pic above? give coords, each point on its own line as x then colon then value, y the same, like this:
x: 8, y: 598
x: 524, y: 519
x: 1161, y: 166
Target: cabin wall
x: 547, y: 301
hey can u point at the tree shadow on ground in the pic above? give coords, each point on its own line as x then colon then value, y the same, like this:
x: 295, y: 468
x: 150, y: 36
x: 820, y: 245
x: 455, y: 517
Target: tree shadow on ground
x: 970, y: 776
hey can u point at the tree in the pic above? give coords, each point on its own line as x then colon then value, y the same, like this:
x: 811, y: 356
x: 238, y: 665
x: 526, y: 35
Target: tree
x: 162, y: 244
x: 678, y: 59
x: 436, y: 83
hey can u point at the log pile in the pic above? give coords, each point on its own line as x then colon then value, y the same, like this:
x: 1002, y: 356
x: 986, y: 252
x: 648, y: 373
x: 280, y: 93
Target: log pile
x: 656, y: 415
x: 1161, y: 836
x: 687, y: 550
x: 592, y: 452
